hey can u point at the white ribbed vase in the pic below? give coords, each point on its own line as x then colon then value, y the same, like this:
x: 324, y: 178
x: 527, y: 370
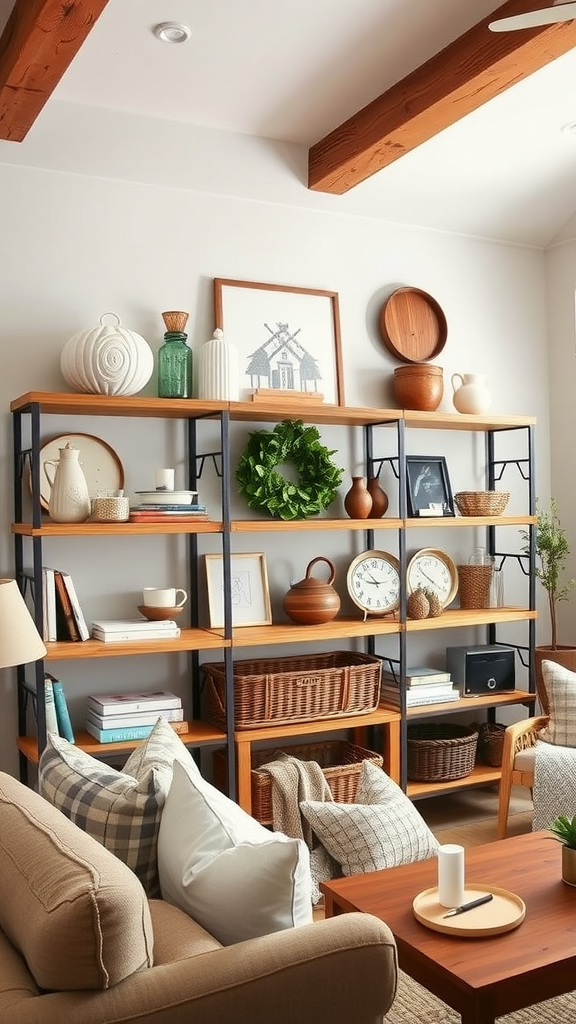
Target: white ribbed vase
x: 218, y: 370
x: 107, y: 360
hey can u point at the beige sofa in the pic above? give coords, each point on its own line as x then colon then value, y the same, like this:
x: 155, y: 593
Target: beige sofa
x: 80, y: 943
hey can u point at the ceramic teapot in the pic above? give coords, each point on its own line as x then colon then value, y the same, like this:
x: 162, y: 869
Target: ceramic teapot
x: 313, y: 601
x: 69, y: 500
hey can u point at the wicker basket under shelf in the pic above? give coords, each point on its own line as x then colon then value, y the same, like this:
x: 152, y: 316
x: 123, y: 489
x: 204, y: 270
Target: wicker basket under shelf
x: 341, y: 764
x: 481, y: 503
x: 441, y: 752
x: 491, y: 743
x: 273, y: 691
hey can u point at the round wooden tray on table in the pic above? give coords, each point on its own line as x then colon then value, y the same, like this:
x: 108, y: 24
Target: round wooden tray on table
x: 505, y: 912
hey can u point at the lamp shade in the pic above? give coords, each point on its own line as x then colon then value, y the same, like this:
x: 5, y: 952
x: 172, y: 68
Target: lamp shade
x: 20, y: 641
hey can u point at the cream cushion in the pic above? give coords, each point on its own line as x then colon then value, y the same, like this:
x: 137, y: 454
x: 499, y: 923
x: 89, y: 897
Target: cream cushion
x: 218, y: 864
x: 560, y: 685
x: 77, y: 915
x: 120, y: 809
x: 381, y: 830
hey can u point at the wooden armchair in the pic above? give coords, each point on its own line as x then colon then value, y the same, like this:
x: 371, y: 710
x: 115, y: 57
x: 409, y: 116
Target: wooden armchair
x: 517, y: 763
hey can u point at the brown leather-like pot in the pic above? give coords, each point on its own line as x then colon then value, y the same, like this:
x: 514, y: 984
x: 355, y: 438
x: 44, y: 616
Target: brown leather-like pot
x: 312, y: 601
x: 419, y: 386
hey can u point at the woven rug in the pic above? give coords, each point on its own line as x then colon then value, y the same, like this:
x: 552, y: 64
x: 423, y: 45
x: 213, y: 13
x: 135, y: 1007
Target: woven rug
x: 415, y: 1005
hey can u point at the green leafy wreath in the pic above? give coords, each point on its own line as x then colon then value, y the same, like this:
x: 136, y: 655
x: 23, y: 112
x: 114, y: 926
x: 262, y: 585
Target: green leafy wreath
x: 266, y: 490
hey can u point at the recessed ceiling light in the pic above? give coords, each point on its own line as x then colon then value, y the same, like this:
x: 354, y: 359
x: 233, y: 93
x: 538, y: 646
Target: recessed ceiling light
x: 172, y: 32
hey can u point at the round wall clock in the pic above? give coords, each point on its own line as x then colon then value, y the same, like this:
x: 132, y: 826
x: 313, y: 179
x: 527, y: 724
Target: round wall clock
x: 373, y: 581
x: 433, y: 569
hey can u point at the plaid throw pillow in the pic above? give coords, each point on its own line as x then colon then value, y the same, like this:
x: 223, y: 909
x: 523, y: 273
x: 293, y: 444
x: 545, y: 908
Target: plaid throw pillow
x: 560, y: 686
x: 120, y: 809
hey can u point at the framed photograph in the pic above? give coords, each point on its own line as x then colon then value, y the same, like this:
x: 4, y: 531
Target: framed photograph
x: 428, y: 486
x: 288, y: 339
x: 249, y: 590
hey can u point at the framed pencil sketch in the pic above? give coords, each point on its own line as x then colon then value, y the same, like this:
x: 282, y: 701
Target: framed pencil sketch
x: 428, y: 486
x: 288, y: 339
x: 249, y: 590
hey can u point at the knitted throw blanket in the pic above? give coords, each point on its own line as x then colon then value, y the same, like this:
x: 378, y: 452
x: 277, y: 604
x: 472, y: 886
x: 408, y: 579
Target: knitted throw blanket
x: 293, y: 781
x: 554, y: 784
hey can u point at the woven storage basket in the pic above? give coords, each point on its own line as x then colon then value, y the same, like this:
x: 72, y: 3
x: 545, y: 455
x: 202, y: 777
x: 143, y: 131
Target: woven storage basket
x: 341, y: 764
x: 441, y: 752
x: 491, y: 743
x: 474, y: 585
x: 481, y: 503
x: 297, y: 689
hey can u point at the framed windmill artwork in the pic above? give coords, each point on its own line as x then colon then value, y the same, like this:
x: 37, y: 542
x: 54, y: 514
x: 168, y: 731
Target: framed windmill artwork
x: 288, y: 339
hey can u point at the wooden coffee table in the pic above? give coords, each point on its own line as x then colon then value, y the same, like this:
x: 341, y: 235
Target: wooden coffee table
x: 481, y: 978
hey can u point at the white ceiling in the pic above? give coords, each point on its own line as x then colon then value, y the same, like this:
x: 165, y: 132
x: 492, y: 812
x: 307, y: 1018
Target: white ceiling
x: 293, y: 70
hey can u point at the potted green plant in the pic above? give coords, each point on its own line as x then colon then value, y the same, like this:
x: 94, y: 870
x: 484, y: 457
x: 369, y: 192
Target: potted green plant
x: 564, y: 830
x: 552, y: 551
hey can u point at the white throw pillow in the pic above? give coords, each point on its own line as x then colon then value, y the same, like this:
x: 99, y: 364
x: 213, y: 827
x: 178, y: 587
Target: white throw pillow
x: 224, y: 869
x: 560, y: 686
x: 120, y: 809
x: 381, y: 830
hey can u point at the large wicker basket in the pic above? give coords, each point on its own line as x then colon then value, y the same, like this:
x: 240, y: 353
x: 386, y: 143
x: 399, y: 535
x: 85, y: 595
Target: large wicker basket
x: 270, y: 691
x: 341, y: 764
x: 481, y: 503
x: 441, y: 752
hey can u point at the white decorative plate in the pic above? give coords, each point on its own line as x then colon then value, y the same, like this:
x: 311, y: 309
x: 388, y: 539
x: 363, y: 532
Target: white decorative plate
x: 99, y: 462
x: 167, y: 497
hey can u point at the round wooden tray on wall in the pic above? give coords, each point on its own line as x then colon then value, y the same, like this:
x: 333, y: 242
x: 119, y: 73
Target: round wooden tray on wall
x: 412, y: 325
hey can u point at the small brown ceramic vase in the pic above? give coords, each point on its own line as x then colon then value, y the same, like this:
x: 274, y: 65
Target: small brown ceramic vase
x: 358, y: 502
x: 379, y: 498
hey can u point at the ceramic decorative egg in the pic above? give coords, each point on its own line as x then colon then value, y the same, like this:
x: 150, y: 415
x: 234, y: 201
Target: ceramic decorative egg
x: 107, y: 360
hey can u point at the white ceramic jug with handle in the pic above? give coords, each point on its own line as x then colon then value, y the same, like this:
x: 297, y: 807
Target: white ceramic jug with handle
x: 69, y: 500
x: 470, y: 393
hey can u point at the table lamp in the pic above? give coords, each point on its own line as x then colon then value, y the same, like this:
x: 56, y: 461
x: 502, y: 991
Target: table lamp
x: 20, y: 641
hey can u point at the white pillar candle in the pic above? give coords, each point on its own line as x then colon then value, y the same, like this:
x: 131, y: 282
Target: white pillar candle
x: 164, y: 479
x: 451, y: 875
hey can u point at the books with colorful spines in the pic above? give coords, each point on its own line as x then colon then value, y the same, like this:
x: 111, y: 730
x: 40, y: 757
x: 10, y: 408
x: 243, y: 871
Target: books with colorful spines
x: 128, y: 703
x: 419, y: 676
x: 77, y: 612
x: 138, y: 732
x: 168, y: 517
x: 151, y: 507
x: 50, y: 707
x: 62, y: 713
x: 134, y: 718
x: 66, y: 628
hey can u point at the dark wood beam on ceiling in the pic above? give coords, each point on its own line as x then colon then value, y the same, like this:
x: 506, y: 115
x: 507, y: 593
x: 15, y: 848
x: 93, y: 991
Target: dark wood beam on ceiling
x: 39, y: 42
x: 475, y: 68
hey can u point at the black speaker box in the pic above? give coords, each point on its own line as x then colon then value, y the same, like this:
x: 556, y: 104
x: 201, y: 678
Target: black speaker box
x: 482, y: 670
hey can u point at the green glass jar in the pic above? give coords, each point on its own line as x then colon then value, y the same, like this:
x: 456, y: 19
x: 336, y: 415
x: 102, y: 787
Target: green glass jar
x: 174, y: 366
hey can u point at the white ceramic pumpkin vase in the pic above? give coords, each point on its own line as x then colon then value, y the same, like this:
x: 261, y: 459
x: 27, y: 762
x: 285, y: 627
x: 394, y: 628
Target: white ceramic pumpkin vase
x: 107, y: 360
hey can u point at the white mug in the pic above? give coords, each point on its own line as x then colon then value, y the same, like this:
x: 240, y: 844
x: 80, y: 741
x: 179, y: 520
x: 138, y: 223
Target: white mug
x: 164, y: 597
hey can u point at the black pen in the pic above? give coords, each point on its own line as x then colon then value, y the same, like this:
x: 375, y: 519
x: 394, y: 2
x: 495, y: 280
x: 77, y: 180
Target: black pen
x: 469, y: 906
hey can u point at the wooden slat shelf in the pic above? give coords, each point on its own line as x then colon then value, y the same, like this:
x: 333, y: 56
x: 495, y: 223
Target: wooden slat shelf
x: 189, y: 640
x: 50, y: 529
x: 471, y: 617
x: 280, y: 525
x: 481, y: 775
x: 201, y: 734
x: 470, y: 704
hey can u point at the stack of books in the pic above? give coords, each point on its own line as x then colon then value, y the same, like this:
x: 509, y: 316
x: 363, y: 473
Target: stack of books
x: 62, y: 615
x: 424, y: 685
x: 114, y: 630
x: 148, y: 512
x: 115, y: 717
x: 56, y: 708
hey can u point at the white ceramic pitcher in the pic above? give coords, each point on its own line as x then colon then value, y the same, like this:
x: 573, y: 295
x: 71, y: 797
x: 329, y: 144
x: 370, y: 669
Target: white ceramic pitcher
x: 69, y: 499
x: 470, y: 393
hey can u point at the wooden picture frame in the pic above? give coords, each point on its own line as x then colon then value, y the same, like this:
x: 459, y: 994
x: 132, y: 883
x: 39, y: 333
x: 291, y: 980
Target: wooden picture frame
x: 288, y: 338
x: 249, y: 590
x: 428, y: 486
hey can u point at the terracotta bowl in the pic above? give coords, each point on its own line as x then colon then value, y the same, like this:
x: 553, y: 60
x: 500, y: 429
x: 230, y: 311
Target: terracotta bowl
x: 419, y: 386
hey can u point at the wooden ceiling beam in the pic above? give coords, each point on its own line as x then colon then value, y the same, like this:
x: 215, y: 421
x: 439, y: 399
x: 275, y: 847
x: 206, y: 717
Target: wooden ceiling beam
x: 39, y: 42
x: 475, y: 68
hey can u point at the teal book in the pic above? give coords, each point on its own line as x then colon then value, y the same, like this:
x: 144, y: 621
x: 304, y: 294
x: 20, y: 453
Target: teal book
x: 62, y: 713
x: 136, y: 732
x: 50, y: 707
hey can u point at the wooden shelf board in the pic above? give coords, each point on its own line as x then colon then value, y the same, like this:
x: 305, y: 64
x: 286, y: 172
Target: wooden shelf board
x: 464, y: 421
x: 471, y: 704
x: 470, y: 617
x: 481, y: 775
x: 49, y: 529
x: 310, y: 412
x: 189, y: 640
x: 458, y: 521
x: 380, y: 716
x: 290, y: 633
x: 201, y: 733
x: 113, y: 405
x: 278, y: 525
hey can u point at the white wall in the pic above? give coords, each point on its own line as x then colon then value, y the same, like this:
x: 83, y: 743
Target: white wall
x: 74, y: 246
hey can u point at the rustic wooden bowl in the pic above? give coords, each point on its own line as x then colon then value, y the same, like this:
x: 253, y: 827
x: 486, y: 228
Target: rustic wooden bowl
x: 419, y: 386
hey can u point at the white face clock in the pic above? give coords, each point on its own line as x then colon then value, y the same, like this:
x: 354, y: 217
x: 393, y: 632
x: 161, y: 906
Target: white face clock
x: 432, y: 569
x: 373, y: 582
